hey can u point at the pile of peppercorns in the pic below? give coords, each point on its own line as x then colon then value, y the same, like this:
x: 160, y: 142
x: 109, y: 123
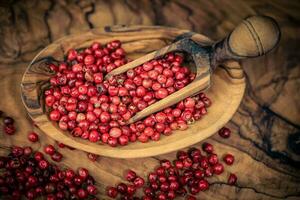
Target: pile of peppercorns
x: 27, y: 173
x: 86, y: 105
x: 24, y: 172
x: 8, y: 124
x: 188, y: 173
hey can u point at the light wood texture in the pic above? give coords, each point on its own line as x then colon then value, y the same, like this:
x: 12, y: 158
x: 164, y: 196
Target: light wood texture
x: 266, y: 127
x: 225, y: 83
x: 254, y: 37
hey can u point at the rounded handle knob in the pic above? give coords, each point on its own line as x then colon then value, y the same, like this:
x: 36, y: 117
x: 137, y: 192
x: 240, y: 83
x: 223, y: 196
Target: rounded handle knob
x: 255, y: 36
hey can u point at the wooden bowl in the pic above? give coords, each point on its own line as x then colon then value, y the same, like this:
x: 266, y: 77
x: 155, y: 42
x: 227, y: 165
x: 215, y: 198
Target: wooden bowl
x: 226, y: 91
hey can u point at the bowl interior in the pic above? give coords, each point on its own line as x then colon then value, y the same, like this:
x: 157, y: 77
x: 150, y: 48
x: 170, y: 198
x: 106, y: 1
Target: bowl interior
x: 226, y: 90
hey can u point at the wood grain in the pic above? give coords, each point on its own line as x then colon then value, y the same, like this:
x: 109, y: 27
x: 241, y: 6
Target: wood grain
x: 266, y: 128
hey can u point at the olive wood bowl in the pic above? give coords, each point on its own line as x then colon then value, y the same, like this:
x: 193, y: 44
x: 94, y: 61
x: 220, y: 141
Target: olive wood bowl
x: 226, y: 91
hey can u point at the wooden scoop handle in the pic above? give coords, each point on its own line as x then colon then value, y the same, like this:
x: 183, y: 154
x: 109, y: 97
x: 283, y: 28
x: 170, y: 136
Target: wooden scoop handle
x: 254, y: 37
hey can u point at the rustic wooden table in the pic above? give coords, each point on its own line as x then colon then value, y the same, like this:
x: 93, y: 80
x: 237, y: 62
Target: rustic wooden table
x: 266, y: 128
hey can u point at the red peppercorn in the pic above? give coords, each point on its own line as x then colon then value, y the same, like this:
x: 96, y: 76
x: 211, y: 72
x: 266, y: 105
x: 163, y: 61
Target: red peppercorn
x: 123, y: 140
x: 77, y: 180
x: 131, y: 73
x: 160, y: 117
x: 91, y: 189
x: 204, y: 163
x: 57, y: 157
x: 112, y: 192
x: 218, y: 168
x: 207, y: 147
x: 91, y: 117
x: 27, y: 151
x: 159, y: 68
x: 160, y: 171
x: 232, y: 179
x: 30, y: 194
x: 123, y: 91
x: 147, y: 66
x: 203, y: 185
x: 161, y: 93
x: 224, y: 132
x: 189, y: 102
x: 148, y: 131
x: 83, y: 173
x: 182, y: 126
x: 212, y: 159
x: 69, y: 174
x: 8, y: 120
x: 55, y: 115
x: 181, y: 155
x: 178, y: 164
x: 140, y: 91
x: 228, y: 159
x: 143, y: 138
x: 154, y: 185
x: 137, y: 81
x: 162, y: 79
x: 148, y: 192
x: 162, y: 178
x: 9, y: 129
x: 174, y: 185
x: 92, y: 157
x: 49, y: 149
x: 147, y: 83
x: 105, y: 137
x: 43, y: 164
x: 131, y: 189
x: 138, y: 182
x: 49, y: 100
x: 104, y: 117
x: 165, y: 164
x: 122, y: 188
x: 94, y: 136
x: 153, y: 74
x: 152, y: 177
x: 161, y: 196
x: 112, y: 141
x: 199, y: 174
x: 194, y: 190
x: 38, y: 156
x: 72, y: 54
x: 98, y: 77
x: 164, y: 186
x: 32, y: 180
x: 115, y: 132
x: 89, y: 60
x: 189, y: 197
x: 187, y: 163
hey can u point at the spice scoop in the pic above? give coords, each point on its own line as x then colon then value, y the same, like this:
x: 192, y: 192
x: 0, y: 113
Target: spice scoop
x: 254, y: 37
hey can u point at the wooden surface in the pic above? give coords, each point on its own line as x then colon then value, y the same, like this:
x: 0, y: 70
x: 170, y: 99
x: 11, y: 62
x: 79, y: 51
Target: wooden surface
x: 226, y: 81
x: 266, y: 128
